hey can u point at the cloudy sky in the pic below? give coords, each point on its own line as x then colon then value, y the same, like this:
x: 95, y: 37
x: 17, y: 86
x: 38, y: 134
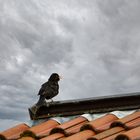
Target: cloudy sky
x: 93, y: 44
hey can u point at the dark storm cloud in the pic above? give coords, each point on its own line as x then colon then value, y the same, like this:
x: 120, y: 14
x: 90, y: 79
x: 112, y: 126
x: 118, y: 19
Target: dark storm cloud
x: 93, y: 44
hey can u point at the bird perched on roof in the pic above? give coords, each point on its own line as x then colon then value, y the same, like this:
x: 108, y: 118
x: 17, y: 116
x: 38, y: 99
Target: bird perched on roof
x: 49, y: 89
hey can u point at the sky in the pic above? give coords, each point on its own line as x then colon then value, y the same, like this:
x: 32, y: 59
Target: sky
x: 94, y: 45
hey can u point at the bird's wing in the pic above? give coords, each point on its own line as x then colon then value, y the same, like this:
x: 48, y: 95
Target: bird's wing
x: 51, y: 90
x: 43, y: 88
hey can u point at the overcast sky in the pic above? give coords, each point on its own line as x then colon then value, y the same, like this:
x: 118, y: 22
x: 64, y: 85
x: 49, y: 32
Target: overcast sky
x: 93, y: 44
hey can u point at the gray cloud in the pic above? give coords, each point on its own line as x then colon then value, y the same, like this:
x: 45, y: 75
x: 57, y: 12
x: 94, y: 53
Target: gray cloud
x: 93, y: 44
x: 7, y: 123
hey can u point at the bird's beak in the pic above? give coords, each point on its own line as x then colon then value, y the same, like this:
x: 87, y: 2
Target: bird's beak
x: 60, y: 77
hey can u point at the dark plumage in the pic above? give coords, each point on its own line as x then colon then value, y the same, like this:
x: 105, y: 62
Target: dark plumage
x: 49, y: 89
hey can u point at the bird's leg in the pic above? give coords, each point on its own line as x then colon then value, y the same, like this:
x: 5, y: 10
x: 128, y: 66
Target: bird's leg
x: 48, y: 103
x: 50, y: 100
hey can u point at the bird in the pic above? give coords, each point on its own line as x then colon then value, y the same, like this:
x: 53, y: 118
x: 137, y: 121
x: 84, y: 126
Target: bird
x: 49, y: 89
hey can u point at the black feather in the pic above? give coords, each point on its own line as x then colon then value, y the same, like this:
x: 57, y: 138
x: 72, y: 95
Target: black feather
x: 49, y: 89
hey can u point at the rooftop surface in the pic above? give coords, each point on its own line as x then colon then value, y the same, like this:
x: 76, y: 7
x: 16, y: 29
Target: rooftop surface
x: 109, y: 126
x: 100, y: 120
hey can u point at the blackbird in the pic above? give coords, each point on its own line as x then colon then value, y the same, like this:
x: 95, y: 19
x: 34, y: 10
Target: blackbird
x: 49, y: 89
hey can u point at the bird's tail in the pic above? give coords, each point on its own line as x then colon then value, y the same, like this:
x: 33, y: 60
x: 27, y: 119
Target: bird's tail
x: 41, y: 100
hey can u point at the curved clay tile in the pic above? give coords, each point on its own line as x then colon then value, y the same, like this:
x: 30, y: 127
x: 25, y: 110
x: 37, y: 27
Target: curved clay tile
x: 40, y: 130
x: 75, y: 129
x: 69, y: 131
x: 71, y: 126
x: 133, y: 134
x: 126, y: 119
x: 133, y: 124
x: 113, y: 136
x: 100, y: 124
x: 53, y: 136
x: 14, y: 132
x: 26, y: 138
x: 72, y: 122
x: 107, y: 133
x: 83, y: 135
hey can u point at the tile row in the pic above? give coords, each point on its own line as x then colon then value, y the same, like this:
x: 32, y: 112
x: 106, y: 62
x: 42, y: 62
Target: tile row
x: 107, y: 127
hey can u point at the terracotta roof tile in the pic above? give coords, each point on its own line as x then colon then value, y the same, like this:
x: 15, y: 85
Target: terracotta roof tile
x: 107, y: 133
x: 14, y: 132
x: 66, y: 129
x: 75, y: 129
x: 81, y: 135
x: 71, y: 126
x: 53, y: 136
x: 106, y: 127
x: 26, y: 138
x: 72, y: 122
x: 133, y: 123
x: 100, y: 124
x: 41, y: 130
x: 113, y: 136
x: 133, y: 134
x: 126, y: 120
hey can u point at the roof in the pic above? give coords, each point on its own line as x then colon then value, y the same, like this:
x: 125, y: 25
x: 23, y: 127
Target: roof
x: 94, y: 120
x: 109, y: 126
x: 89, y: 105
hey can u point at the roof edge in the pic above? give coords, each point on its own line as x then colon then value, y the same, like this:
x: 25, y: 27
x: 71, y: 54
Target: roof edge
x: 89, y: 105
